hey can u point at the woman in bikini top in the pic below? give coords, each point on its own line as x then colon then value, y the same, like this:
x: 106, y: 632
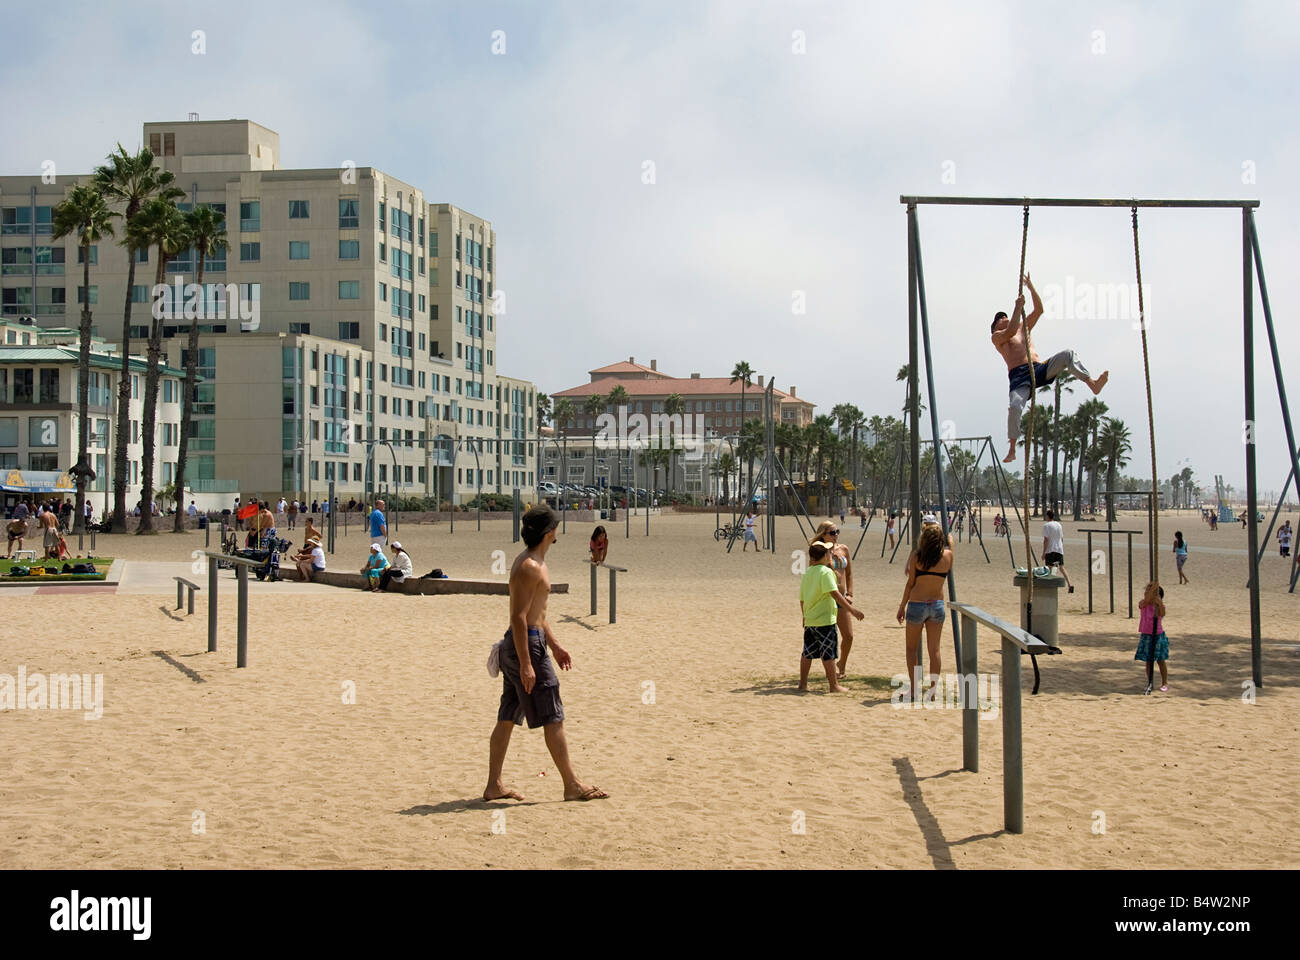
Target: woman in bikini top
x: 927, y: 585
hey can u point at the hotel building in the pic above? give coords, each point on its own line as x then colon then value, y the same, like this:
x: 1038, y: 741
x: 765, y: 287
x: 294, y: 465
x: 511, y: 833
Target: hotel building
x: 348, y: 333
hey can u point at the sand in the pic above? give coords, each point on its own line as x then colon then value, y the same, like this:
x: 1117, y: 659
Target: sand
x: 714, y: 765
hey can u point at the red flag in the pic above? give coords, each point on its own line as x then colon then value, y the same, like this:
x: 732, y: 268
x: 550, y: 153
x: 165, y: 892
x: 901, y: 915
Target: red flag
x: 246, y: 512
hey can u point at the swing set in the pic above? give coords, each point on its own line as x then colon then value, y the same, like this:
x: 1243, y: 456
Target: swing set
x: 919, y: 339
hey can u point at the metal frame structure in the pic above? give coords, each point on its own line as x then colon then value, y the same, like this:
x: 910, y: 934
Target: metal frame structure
x: 1252, y: 266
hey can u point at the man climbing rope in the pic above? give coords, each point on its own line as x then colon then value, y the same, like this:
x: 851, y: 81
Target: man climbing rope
x: 1009, y: 340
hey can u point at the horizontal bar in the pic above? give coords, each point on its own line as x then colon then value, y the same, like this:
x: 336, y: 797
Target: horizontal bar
x: 1025, y: 641
x: 1059, y: 202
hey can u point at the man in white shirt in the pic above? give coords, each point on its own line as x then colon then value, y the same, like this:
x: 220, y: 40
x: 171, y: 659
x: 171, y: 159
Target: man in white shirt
x: 311, y: 559
x: 1054, y: 546
x: 400, y: 569
x: 281, y: 506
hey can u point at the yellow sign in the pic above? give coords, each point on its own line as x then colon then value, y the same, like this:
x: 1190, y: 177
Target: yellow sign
x: 848, y: 485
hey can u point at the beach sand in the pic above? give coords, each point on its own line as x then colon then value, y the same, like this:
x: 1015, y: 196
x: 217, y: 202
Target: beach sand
x: 685, y: 711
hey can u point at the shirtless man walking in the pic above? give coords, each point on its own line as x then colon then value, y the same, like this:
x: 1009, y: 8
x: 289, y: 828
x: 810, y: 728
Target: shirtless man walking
x: 48, y: 521
x: 530, y: 687
x: 1009, y: 340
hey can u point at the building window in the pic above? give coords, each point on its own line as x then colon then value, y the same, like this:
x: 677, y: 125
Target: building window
x: 349, y: 249
x: 299, y: 328
x: 94, y: 254
x: 383, y: 217
x: 250, y: 252
x: 383, y: 253
x: 383, y: 291
x: 348, y: 217
x: 299, y: 290
x: 349, y: 289
x: 299, y: 209
x: 250, y: 216
x: 299, y: 250
x: 94, y: 294
x: 421, y: 302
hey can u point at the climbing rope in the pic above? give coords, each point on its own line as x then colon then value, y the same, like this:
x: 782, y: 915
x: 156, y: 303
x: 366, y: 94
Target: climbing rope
x: 1029, y: 432
x: 1151, y: 420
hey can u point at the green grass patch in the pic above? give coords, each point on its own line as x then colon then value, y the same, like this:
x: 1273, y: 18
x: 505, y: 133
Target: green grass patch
x: 101, y: 567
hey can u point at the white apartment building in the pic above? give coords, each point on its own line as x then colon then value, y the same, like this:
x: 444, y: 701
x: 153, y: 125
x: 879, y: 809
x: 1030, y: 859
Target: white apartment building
x: 39, y: 421
x: 348, y: 332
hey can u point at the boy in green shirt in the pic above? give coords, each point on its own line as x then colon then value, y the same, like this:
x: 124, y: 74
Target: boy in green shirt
x: 819, y: 596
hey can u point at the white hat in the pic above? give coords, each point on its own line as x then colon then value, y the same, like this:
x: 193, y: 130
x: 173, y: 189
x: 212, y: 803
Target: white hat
x: 395, y: 545
x: 375, y: 548
x: 929, y: 518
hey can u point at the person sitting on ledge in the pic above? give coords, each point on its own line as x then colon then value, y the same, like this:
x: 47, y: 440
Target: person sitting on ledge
x: 401, y: 567
x: 310, y: 560
x: 374, y: 567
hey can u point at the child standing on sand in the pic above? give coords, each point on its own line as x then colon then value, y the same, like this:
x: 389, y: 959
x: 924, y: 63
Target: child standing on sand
x: 1153, y: 645
x: 819, y: 600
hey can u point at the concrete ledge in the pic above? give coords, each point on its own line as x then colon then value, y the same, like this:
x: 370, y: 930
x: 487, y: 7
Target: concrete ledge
x: 356, y: 581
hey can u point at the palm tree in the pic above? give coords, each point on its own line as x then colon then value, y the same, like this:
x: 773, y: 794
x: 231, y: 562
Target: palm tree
x: 743, y: 372
x: 820, y: 430
x: 1087, y: 422
x: 674, y: 406
x: 593, y: 407
x: 1186, y: 477
x: 1062, y: 386
x: 1115, y: 443
x: 207, y: 230
x: 847, y: 417
x: 130, y: 181
x: 161, y: 224
x: 618, y: 398
x: 724, y: 468
x: 83, y: 214
x: 561, y: 415
x: 750, y: 446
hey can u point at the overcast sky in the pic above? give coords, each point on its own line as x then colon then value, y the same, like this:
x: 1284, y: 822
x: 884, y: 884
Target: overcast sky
x: 781, y: 135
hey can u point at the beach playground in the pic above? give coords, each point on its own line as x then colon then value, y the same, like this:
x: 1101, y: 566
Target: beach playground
x: 358, y: 734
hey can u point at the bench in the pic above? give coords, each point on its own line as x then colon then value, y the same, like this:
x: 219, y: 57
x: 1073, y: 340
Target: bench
x: 31, y: 554
x: 414, y: 585
x: 181, y: 584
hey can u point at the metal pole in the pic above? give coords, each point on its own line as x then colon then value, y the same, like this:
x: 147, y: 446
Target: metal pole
x: 593, y: 589
x: 241, y: 574
x: 212, y: 604
x: 1069, y: 202
x: 1130, y: 575
x: 1252, y: 525
x: 1088, y: 533
x: 936, y: 442
x: 180, y: 600
x: 613, y: 594
x: 333, y: 520
x: 207, y: 532
x: 1013, y: 783
x: 515, y: 509
x: 970, y: 716
x: 1110, y: 561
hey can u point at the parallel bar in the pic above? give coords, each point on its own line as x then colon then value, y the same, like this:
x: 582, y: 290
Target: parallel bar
x: 1013, y: 775
x: 970, y: 716
x: 1252, y: 498
x: 1065, y: 202
x: 241, y: 655
x: 1129, y: 538
x: 212, y: 605
x: 613, y: 594
x: 180, y: 601
x: 593, y: 589
x: 1089, y: 535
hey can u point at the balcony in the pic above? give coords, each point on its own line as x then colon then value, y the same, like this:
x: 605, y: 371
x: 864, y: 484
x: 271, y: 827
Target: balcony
x: 212, y: 486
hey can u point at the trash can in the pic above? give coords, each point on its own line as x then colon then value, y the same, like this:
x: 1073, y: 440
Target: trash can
x: 1046, y: 585
x: 203, y: 522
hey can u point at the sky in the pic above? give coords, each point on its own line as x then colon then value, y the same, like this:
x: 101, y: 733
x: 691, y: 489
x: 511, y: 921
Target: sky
x: 673, y: 180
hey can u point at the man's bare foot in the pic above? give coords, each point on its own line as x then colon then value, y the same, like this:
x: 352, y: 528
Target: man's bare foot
x: 836, y: 688
x: 1100, y: 382
x: 1012, y: 455
x: 802, y: 688
x: 582, y: 792
x: 499, y: 792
